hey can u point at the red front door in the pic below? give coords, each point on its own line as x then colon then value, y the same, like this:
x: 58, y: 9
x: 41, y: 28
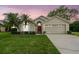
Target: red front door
x: 39, y: 29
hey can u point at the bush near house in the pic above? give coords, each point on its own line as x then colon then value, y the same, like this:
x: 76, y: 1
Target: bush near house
x: 69, y: 32
x: 14, y: 31
x: 74, y: 27
x: 30, y: 32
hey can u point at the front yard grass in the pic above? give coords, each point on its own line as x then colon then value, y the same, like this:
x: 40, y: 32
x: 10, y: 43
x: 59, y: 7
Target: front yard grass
x: 26, y: 44
x: 75, y: 33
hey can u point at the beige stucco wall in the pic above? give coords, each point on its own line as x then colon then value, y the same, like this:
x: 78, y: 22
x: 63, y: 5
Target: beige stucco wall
x: 56, y: 21
x: 28, y: 27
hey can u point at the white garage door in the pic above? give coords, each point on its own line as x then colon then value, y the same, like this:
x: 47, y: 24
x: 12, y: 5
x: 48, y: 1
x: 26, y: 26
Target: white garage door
x: 55, y: 28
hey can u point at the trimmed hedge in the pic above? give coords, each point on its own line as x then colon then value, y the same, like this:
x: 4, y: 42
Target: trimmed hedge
x: 14, y: 31
x: 30, y: 32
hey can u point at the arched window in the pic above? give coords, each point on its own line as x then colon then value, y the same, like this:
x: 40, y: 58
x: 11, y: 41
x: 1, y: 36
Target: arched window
x: 39, y: 23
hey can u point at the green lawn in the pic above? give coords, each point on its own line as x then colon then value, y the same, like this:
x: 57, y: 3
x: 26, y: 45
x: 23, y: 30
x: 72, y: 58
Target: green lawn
x: 29, y: 44
x: 75, y: 33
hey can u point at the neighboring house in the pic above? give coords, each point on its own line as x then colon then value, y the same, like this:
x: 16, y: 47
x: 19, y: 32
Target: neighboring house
x: 2, y: 29
x: 51, y: 25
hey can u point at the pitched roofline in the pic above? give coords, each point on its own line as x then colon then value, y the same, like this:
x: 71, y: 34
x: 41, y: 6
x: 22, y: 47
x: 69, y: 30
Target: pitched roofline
x: 65, y: 20
x: 40, y: 17
x: 49, y: 18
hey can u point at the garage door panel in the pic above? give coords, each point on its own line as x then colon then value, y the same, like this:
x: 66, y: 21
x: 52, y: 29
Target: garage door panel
x: 55, y: 28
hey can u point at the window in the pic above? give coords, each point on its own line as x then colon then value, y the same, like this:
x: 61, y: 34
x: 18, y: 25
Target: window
x: 39, y: 23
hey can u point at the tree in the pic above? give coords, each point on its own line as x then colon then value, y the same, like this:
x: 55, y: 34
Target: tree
x: 74, y: 12
x: 11, y: 20
x: 74, y: 26
x: 26, y: 19
x: 63, y: 12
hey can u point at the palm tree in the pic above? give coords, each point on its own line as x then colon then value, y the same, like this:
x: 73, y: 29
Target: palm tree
x: 26, y: 19
x: 11, y: 20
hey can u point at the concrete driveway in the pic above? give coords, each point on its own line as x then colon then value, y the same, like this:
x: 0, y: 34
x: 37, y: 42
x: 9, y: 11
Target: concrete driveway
x: 66, y: 44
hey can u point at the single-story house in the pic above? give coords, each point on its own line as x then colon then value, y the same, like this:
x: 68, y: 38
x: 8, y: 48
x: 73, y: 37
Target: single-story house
x: 49, y: 25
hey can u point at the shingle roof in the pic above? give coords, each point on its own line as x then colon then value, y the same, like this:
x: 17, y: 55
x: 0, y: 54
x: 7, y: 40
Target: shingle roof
x: 50, y: 18
x: 63, y: 19
x: 43, y: 18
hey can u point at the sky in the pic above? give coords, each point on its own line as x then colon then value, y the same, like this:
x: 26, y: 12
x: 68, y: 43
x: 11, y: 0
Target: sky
x: 33, y: 11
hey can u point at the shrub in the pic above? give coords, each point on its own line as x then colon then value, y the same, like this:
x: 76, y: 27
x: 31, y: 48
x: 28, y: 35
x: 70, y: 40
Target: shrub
x: 74, y: 26
x: 26, y: 32
x: 30, y: 32
x: 44, y: 32
x: 18, y: 33
x: 69, y: 32
x: 14, y: 30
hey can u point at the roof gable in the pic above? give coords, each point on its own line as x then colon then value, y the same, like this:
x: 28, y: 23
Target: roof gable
x: 46, y: 19
x: 59, y: 18
x: 43, y: 18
